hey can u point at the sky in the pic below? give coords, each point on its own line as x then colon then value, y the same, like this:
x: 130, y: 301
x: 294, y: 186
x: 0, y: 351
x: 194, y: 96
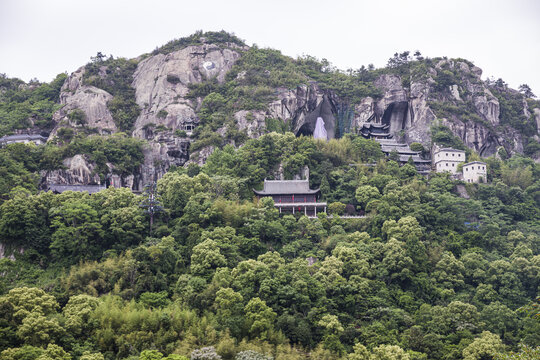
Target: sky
x: 42, y: 38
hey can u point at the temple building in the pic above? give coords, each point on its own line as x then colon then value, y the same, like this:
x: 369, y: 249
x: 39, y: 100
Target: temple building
x: 293, y: 196
x: 404, y: 152
x: 375, y: 131
x: 60, y: 188
x: 23, y: 138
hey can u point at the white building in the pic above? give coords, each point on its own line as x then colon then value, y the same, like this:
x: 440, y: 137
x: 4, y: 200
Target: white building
x: 447, y: 159
x: 475, y: 171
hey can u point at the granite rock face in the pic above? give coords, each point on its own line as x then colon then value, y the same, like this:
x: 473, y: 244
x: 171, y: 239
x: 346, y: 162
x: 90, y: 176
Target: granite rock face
x: 78, y: 171
x: 301, y: 107
x: 410, y: 116
x: 168, y: 118
x: 90, y: 99
x: 537, y: 119
x: 161, y: 85
x: 253, y: 122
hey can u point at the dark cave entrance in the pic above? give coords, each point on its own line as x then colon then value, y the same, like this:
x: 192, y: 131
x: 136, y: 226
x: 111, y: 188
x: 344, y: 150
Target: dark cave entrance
x: 324, y: 110
x: 395, y: 115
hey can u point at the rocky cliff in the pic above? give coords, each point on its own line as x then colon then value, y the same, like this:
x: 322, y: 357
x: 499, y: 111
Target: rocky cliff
x: 442, y: 92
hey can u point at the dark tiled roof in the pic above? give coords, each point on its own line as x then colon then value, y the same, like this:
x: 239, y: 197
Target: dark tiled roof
x: 416, y: 159
x: 399, y: 149
x: 277, y: 187
x: 91, y: 189
x: 22, y: 137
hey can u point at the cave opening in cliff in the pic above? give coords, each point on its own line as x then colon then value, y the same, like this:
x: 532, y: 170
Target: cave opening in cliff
x: 324, y: 111
x: 395, y: 115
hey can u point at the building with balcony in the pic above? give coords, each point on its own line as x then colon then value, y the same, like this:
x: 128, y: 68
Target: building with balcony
x: 293, y: 196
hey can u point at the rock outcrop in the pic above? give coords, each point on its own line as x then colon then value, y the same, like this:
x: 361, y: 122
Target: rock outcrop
x: 161, y: 85
x: 252, y: 122
x: 168, y: 118
x: 537, y: 119
x: 301, y: 107
x: 409, y: 114
x: 78, y: 170
x: 90, y: 99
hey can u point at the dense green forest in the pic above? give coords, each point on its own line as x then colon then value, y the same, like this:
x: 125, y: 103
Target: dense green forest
x: 428, y: 274
x: 437, y: 269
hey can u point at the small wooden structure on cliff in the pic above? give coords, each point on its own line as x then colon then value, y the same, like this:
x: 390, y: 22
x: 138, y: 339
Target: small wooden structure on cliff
x: 293, y: 196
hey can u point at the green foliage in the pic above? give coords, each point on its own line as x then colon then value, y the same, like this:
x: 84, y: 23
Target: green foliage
x: 427, y: 274
x: 443, y: 136
x: 415, y: 146
x: 115, y: 76
x: 222, y: 38
x: 125, y: 153
x: 27, y: 105
x: 77, y: 116
x: 511, y: 110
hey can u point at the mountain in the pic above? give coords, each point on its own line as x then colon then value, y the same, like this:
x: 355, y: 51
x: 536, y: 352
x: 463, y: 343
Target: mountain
x: 368, y: 259
x: 199, y: 93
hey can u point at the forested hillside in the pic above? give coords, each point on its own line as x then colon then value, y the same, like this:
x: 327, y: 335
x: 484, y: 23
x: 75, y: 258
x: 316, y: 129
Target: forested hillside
x: 428, y: 274
x: 197, y: 268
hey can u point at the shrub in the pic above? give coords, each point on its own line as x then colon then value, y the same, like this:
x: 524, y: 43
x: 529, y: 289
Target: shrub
x: 416, y: 146
x: 77, y: 116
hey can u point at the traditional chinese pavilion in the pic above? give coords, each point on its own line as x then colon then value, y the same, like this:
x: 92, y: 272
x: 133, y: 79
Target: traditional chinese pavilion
x: 375, y: 131
x: 293, y: 196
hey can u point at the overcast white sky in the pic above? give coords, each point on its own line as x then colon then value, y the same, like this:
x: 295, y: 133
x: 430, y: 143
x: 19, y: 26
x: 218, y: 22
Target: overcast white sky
x: 41, y: 38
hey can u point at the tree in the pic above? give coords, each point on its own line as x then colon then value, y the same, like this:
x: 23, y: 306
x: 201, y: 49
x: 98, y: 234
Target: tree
x: 252, y: 355
x: 87, y: 355
x: 77, y: 312
x: 38, y: 330
x: 337, y: 208
x: 260, y: 318
x: 150, y: 355
x: 54, y: 352
x: 77, y: 232
x: 229, y: 307
x: 526, y: 91
x: 389, y: 352
x: 24, y: 301
x: 151, y: 203
x: 487, y: 346
x: 366, y: 193
x: 360, y: 353
x: 205, y: 258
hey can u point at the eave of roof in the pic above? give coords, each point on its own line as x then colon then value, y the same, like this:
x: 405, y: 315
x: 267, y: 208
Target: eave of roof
x: 309, y: 192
